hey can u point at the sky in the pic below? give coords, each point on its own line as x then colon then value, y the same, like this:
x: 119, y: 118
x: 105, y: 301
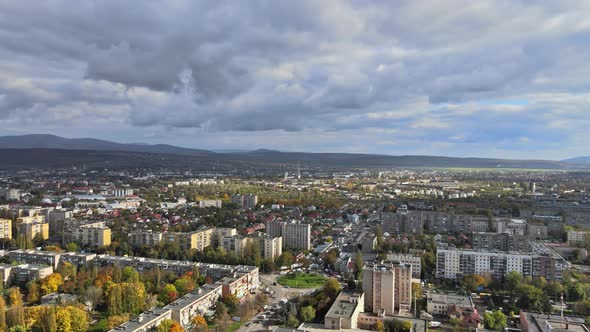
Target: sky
x: 496, y: 78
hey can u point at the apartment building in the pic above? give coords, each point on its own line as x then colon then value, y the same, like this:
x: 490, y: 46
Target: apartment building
x: 35, y: 218
x: 53, y: 259
x: 56, y: 218
x: 11, y: 194
x: 96, y: 234
x: 405, y: 223
x: 21, y: 274
x: 574, y: 237
x: 200, y: 302
x: 33, y: 229
x: 146, y: 321
x: 221, y: 232
x: 295, y: 235
x: 500, y: 241
x: 541, y: 262
x: 414, y: 259
x: 198, y: 240
x: 121, y: 192
x: 245, y: 201
x: 522, y: 228
x: 271, y: 247
x: 140, y: 238
x: 210, y: 203
x: 387, y: 287
x: 235, y: 244
x: 5, y: 229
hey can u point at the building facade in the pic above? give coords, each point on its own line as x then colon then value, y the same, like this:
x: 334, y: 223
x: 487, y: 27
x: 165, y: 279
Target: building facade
x: 96, y: 234
x: 387, y: 288
x: 5, y: 229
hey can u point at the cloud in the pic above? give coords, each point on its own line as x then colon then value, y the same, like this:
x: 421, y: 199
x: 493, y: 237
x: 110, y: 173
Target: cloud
x: 412, y: 72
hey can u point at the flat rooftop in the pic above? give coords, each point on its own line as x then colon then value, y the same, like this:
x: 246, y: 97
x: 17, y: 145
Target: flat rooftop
x: 344, y: 305
x: 539, y: 323
x: 460, y: 300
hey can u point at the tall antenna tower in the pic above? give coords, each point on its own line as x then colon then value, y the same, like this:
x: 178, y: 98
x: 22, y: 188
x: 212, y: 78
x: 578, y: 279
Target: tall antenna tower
x: 298, y: 170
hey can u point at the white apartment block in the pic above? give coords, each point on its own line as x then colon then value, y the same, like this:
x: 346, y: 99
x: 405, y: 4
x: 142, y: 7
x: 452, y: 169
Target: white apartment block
x: 453, y: 264
x: 297, y: 236
x: 272, y: 247
x: 576, y: 237
x: 210, y: 203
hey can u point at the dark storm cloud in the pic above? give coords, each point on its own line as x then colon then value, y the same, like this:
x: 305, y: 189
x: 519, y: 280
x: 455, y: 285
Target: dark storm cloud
x: 262, y: 66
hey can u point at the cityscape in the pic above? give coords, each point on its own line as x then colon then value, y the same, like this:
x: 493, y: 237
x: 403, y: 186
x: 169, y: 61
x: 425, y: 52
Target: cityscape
x: 294, y: 166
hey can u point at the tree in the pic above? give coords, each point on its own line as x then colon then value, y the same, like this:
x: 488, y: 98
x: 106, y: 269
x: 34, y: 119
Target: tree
x: 72, y: 246
x: 48, y: 321
x: 15, y: 315
x: 114, y: 321
x: 332, y: 287
x: 267, y: 266
x: 33, y: 292
x: 176, y: 327
x: 378, y: 326
x: 260, y: 299
x: 358, y: 265
x: 307, y: 314
x: 51, y: 283
x: 292, y: 321
x: 512, y: 280
x: 114, y: 300
x: 165, y: 325
x: 17, y: 328
x: 285, y: 259
x: 80, y: 319
x: 495, y: 320
x: 231, y: 303
x: 472, y: 282
x: 379, y: 236
x: 93, y: 297
x: 14, y: 296
x: 222, y: 319
x: 168, y: 293
x: 199, y: 324
x: 2, y: 314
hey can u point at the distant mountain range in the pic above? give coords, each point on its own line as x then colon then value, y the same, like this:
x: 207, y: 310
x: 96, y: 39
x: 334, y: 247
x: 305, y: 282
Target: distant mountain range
x: 42, y: 141
x: 49, y: 151
x: 578, y: 160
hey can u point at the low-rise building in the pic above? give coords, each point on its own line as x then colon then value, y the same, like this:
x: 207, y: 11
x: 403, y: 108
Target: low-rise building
x: 537, y: 322
x: 21, y: 274
x: 343, y: 314
x: 146, y: 321
x: 201, y: 302
x: 447, y: 305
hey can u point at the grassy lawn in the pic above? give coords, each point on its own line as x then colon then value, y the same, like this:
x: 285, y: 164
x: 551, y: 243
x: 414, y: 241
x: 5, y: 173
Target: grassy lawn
x: 302, y: 280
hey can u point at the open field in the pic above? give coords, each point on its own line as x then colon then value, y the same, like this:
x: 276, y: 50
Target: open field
x: 301, y: 280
